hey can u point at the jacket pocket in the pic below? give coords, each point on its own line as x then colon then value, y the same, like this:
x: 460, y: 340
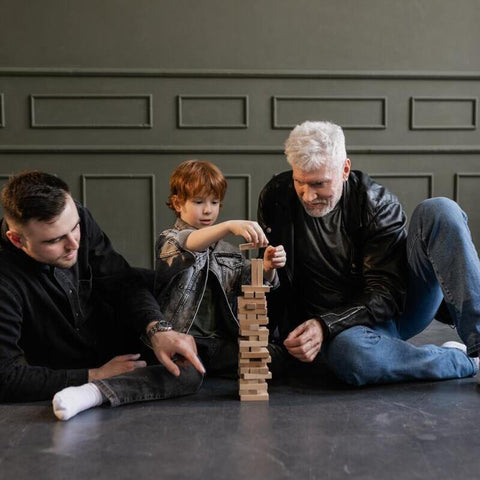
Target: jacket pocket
x: 231, y: 261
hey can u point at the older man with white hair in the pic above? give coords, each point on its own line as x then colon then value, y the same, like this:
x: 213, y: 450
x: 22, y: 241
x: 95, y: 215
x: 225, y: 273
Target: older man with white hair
x: 355, y: 287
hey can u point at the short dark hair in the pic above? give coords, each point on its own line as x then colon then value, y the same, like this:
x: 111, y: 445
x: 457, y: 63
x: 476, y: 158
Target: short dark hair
x: 34, y: 195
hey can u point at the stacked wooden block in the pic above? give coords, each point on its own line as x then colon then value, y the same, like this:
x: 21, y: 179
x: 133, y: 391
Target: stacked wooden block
x: 253, y: 340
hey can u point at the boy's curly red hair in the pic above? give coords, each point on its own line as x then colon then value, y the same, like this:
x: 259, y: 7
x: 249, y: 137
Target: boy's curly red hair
x: 194, y: 178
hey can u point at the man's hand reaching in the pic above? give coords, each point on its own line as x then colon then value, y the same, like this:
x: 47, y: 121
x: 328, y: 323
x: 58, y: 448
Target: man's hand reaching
x: 168, y: 345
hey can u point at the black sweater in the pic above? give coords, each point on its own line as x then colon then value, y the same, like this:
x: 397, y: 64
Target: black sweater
x: 57, y: 323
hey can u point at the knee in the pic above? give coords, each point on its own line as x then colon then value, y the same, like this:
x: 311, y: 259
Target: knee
x: 190, y: 378
x: 354, y: 356
x: 439, y: 211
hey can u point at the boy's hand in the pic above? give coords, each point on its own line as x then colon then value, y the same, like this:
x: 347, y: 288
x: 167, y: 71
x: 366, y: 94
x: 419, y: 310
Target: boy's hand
x: 250, y: 231
x: 274, y: 257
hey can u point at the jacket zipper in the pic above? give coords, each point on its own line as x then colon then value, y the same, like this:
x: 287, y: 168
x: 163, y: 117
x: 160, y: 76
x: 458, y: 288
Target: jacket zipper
x: 346, y: 314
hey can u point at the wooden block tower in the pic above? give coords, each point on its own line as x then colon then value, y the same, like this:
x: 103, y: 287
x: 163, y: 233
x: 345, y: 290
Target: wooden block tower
x: 253, y: 341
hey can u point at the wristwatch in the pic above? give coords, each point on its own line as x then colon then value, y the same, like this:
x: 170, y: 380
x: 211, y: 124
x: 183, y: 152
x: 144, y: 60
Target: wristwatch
x: 160, y: 326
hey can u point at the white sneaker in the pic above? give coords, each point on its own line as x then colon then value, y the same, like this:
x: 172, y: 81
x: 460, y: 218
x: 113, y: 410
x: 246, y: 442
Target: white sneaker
x: 463, y: 348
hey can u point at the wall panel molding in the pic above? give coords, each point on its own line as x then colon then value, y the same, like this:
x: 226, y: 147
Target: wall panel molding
x: 2, y: 110
x: 247, y: 150
x: 429, y: 177
x: 458, y: 180
x: 233, y: 73
x: 414, y: 101
x: 182, y: 112
x: 248, y: 190
x: 86, y: 99
x: 382, y: 124
x: 114, y: 176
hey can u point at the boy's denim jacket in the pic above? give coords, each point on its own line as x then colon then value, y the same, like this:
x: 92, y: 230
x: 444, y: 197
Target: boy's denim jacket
x: 181, y: 277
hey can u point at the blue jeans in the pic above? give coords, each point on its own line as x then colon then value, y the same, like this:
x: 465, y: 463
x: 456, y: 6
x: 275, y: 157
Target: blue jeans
x: 443, y: 264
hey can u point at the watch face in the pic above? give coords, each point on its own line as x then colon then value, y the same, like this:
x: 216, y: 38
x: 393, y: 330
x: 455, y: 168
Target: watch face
x: 160, y: 326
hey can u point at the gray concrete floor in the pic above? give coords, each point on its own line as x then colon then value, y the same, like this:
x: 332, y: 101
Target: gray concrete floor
x: 424, y: 430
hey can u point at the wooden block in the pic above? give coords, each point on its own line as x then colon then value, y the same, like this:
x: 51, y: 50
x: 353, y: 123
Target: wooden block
x: 255, y: 288
x: 255, y: 376
x: 260, y: 320
x: 262, y: 354
x: 252, y: 309
x: 249, y: 310
x: 253, y: 273
x: 254, y: 386
x: 260, y: 272
x: 257, y: 267
x: 247, y: 316
x: 257, y: 302
x: 254, y: 398
x: 252, y: 344
x: 263, y: 370
x: 255, y: 294
x: 246, y: 246
x: 254, y: 334
x: 250, y: 295
x: 251, y: 388
x: 252, y: 362
x: 248, y: 330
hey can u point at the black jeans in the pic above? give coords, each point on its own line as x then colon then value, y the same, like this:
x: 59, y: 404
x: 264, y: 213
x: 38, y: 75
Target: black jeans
x: 155, y: 382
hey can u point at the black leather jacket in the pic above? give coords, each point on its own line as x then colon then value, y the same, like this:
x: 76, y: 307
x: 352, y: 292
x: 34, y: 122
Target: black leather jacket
x: 374, y: 231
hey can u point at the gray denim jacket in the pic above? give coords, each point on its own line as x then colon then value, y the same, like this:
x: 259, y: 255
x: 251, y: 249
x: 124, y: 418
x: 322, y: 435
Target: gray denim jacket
x: 181, y: 277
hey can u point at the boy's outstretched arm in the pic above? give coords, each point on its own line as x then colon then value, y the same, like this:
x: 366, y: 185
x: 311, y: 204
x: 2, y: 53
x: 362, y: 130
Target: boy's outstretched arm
x: 201, y: 239
x: 273, y: 258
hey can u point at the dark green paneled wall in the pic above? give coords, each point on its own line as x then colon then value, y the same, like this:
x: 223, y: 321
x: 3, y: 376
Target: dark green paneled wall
x: 112, y: 95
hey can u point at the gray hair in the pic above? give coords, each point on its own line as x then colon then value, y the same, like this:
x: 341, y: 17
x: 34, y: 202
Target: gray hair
x: 312, y: 145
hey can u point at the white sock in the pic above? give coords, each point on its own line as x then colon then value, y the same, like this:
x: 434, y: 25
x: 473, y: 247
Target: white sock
x: 72, y: 400
x: 459, y: 346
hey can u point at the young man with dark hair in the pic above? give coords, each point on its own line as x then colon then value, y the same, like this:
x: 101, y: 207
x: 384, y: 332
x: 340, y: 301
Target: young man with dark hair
x: 71, y: 308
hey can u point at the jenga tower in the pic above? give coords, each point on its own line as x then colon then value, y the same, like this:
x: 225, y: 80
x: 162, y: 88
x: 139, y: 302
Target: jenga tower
x: 253, y: 341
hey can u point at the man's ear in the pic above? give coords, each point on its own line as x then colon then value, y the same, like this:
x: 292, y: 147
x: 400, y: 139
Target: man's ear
x: 346, y: 169
x: 15, y: 238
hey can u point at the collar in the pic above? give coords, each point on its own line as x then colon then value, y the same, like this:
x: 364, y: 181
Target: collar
x: 19, y: 255
x: 181, y: 225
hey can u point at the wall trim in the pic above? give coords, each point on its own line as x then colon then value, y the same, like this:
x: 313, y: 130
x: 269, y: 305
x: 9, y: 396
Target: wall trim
x: 458, y: 177
x: 207, y: 73
x: 472, y: 100
x: 428, y: 176
x: 230, y: 149
x: 383, y: 100
x: 248, y: 178
x: 181, y: 124
x: 148, y: 176
x: 124, y: 96
x: 2, y: 110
